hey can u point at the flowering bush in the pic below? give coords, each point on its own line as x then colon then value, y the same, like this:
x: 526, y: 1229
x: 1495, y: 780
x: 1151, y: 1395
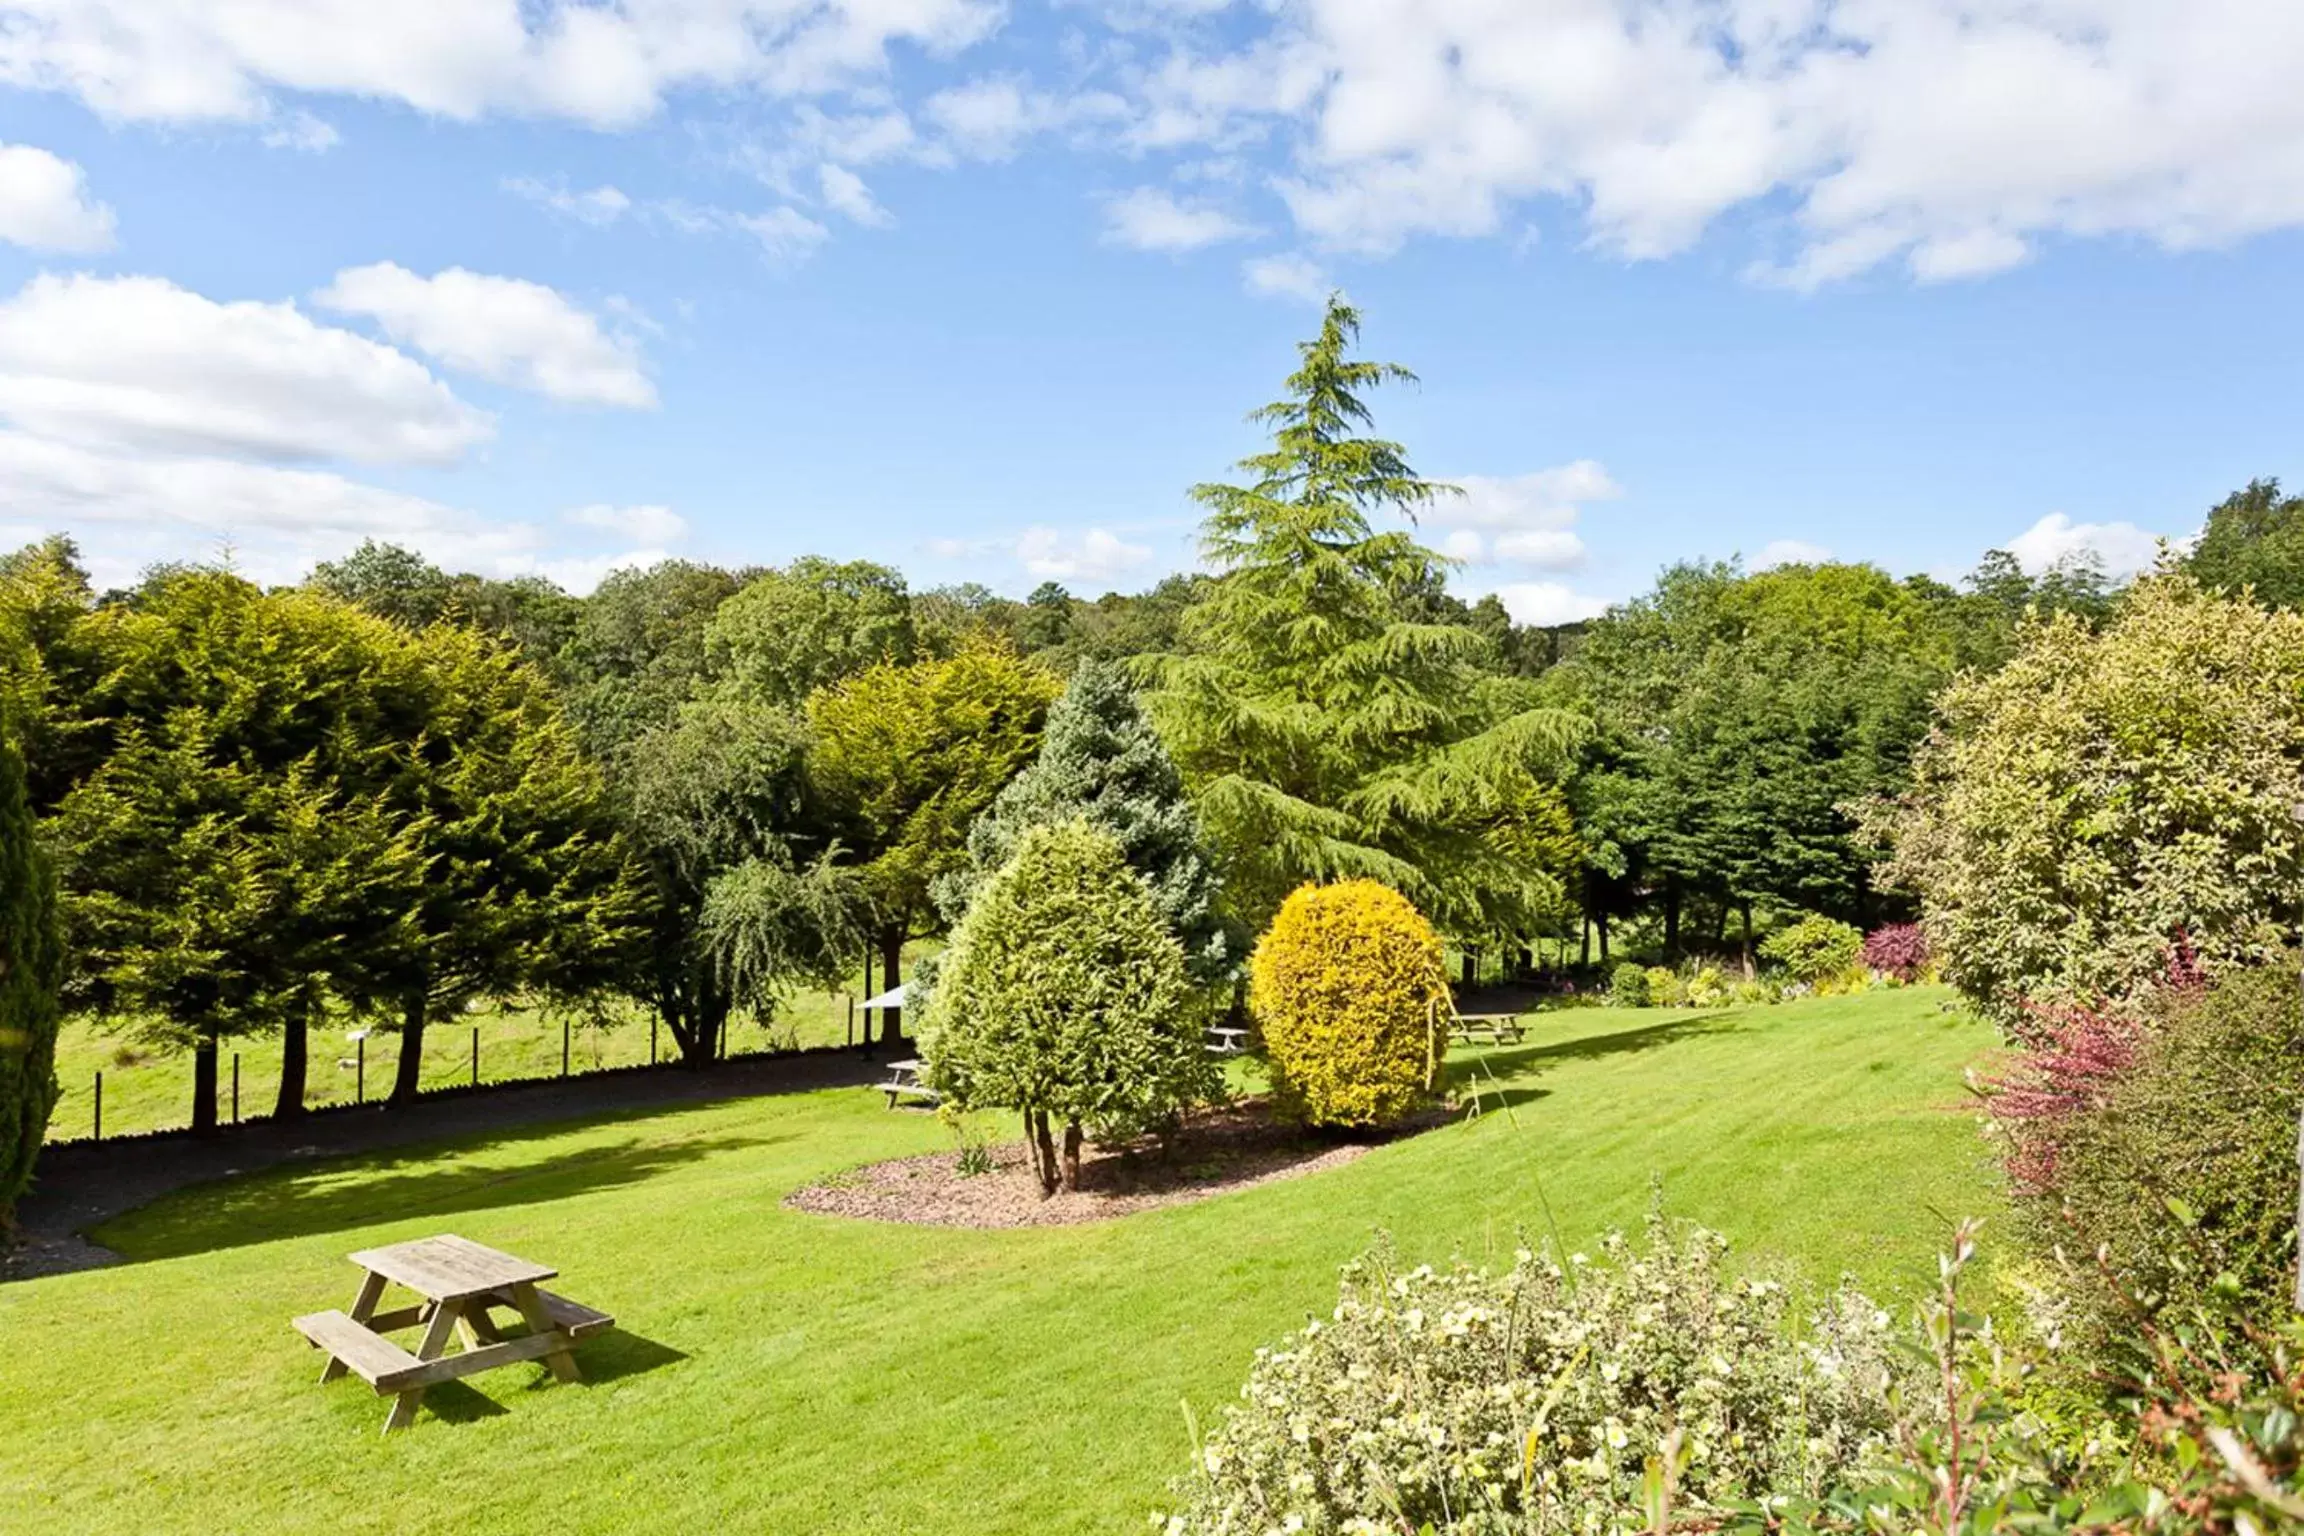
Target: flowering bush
x: 1347, y: 987
x: 1815, y: 949
x: 1899, y: 950
x: 1533, y: 1401
x: 1628, y: 988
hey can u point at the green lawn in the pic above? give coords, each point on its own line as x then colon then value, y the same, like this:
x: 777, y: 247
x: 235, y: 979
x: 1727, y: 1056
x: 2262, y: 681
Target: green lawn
x: 784, y: 1372
x: 147, y: 1089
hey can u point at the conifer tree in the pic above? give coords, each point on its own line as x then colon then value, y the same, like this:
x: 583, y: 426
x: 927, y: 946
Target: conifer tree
x: 30, y: 954
x: 1322, y: 732
x: 1101, y: 762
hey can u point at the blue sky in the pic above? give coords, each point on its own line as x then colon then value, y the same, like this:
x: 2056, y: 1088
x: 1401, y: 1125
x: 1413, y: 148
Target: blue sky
x: 979, y: 290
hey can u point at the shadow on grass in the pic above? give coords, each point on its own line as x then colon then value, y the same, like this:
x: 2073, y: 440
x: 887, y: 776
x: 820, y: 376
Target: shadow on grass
x: 1498, y: 1075
x: 606, y: 1358
x: 360, y: 1191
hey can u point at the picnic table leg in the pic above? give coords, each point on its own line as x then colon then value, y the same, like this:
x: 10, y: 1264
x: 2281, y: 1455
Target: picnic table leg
x: 363, y: 1308
x: 540, y: 1321
x: 444, y: 1315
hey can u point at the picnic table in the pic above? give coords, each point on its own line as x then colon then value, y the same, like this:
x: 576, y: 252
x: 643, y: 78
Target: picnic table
x: 457, y: 1283
x: 904, y: 1083
x: 1226, y: 1040
x: 1494, y: 1028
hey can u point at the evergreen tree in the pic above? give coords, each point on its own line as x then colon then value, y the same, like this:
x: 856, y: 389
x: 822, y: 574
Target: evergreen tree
x: 1322, y: 730
x: 1101, y: 762
x: 31, y: 955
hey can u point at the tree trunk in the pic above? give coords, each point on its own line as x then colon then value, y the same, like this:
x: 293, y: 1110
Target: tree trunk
x: 891, y: 975
x: 1471, y: 969
x: 1601, y: 922
x: 1072, y: 1155
x: 410, y: 1071
x: 1671, y: 920
x: 1044, y: 1152
x: 204, y: 1085
x: 1750, y: 970
x: 1584, y: 953
x: 295, y: 1057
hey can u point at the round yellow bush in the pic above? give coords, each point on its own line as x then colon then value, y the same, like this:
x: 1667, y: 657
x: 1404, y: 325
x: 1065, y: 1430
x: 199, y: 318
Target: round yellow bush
x: 1348, y: 987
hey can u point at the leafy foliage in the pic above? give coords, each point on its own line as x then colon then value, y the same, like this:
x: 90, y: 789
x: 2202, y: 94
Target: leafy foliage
x: 2193, y: 1102
x: 787, y: 633
x: 2254, y: 540
x: 1100, y: 761
x: 907, y: 757
x: 1543, y: 1399
x: 638, y: 650
x: 1628, y: 986
x: 31, y: 952
x: 1814, y: 948
x: 2103, y: 792
x: 1897, y: 949
x: 1322, y: 729
x: 1063, y: 997
x: 1348, y: 988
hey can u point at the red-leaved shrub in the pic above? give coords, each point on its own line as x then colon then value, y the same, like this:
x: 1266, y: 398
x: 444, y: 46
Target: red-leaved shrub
x: 1898, y: 949
x: 2066, y: 1066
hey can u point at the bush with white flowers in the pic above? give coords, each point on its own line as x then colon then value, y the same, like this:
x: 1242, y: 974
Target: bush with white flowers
x: 1483, y: 1404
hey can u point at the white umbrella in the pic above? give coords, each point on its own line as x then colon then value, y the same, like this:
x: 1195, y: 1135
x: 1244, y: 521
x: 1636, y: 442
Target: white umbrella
x: 892, y: 998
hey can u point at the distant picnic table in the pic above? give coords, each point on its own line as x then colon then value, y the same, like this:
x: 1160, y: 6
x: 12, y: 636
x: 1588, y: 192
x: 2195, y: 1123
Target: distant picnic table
x: 457, y: 1283
x: 1492, y: 1028
x: 1226, y: 1040
x: 904, y: 1083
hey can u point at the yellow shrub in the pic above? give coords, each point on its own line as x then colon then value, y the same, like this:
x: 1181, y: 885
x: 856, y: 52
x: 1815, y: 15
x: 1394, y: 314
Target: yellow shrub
x: 1346, y: 986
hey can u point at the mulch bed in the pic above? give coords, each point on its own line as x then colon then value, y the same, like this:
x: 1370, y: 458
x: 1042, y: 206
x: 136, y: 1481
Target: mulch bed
x: 1221, y: 1150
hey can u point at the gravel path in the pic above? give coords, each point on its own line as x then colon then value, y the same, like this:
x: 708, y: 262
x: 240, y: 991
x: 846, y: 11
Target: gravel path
x: 80, y: 1185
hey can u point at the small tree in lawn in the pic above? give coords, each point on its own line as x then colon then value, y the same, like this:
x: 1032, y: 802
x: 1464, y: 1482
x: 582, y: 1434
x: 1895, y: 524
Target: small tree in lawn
x: 1063, y: 997
x: 1347, y: 986
x: 31, y: 955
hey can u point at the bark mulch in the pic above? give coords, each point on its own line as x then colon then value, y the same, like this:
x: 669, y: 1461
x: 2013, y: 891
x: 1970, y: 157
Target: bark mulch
x: 1221, y: 1150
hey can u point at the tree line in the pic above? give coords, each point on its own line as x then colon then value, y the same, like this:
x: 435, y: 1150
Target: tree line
x: 392, y: 790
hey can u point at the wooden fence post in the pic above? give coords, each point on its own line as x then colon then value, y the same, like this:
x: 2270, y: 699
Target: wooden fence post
x: 99, y: 1104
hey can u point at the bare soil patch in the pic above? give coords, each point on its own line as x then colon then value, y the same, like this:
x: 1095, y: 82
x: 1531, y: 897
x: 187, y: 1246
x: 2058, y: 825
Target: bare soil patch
x: 1221, y: 1150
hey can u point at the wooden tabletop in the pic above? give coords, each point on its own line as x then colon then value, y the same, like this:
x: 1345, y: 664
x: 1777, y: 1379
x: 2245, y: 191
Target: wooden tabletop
x: 446, y: 1268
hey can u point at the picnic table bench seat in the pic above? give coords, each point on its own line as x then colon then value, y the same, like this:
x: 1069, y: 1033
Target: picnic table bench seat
x: 368, y: 1355
x: 904, y: 1083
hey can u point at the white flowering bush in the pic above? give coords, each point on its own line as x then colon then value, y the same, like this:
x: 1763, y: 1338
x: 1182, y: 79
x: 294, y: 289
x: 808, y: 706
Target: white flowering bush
x: 1535, y: 1400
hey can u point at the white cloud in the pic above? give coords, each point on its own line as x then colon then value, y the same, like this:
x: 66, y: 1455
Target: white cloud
x: 990, y: 118
x: 785, y: 234
x: 640, y: 524
x: 1527, y: 520
x: 580, y: 574
x: 138, y: 362
x: 1548, y: 602
x: 1789, y: 552
x: 276, y: 521
x: 2122, y: 548
x: 44, y: 203
x: 603, y: 65
x: 597, y: 206
x: 505, y: 329
x: 1151, y: 219
x: 845, y: 194
x: 1951, y: 136
x: 302, y: 132
x: 1096, y: 555
x: 1286, y: 277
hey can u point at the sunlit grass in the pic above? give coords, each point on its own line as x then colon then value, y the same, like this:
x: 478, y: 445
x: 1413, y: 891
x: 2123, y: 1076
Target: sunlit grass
x: 776, y: 1371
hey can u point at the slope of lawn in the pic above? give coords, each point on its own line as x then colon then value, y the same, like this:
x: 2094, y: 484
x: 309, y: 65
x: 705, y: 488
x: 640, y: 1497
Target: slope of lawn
x: 776, y: 1371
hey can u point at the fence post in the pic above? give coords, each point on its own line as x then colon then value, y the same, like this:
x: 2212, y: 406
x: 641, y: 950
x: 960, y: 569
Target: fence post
x: 475, y: 1055
x: 653, y: 1021
x: 564, y: 1028
x: 360, y: 1069
x: 851, y: 1018
x: 235, y: 1087
x: 99, y: 1104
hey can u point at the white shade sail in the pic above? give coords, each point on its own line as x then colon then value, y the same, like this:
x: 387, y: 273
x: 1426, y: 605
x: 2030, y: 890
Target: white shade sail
x: 892, y: 998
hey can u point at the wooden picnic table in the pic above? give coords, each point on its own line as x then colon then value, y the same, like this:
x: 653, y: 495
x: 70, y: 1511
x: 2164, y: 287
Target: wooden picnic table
x: 1226, y: 1040
x: 904, y: 1083
x: 1495, y: 1028
x: 457, y: 1282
